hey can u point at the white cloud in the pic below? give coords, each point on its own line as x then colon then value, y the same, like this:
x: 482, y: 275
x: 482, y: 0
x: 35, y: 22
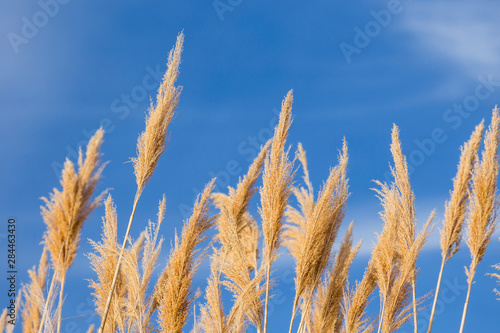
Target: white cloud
x: 463, y: 33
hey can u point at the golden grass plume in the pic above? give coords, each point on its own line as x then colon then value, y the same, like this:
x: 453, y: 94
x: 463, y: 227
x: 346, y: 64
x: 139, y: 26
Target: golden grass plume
x: 151, y: 143
x: 174, y: 293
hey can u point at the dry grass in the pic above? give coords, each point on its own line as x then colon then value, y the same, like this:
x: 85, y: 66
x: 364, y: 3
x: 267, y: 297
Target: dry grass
x: 131, y: 309
x: 213, y: 318
x: 103, y: 262
x: 31, y: 310
x: 130, y: 298
x: 312, y: 231
x: 356, y: 301
x: 406, y: 207
x: 238, y: 235
x: 151, y: 145
x: 456, y: 208
x: 481, y: 222
x: 174, y: 294
x: 482, y: 219
x: 497, y: 276
x: 395, y: 255
x: 276, y: 189
x: 3, y: 320
x: 65, y: 212
x: 327, y: 314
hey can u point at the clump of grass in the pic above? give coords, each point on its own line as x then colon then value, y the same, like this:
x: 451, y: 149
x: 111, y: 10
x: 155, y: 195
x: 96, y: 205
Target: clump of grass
x: 139, y: 305
x: 322, y: 293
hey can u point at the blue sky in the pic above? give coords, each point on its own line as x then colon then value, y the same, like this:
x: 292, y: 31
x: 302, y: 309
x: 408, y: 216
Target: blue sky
x: 93, y: 63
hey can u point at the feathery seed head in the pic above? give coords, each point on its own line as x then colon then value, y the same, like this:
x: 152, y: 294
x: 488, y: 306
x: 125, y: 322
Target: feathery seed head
x: 151, y: 143
x: 173, y: 289
x: 65, y: 211
x: 456, y: 208
x: 277, y: 183
x: 482, y: 219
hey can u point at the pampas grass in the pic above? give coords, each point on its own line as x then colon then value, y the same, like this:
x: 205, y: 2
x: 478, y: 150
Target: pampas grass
x: 275, y: 191
x: 213, y: 318
x: 174, y: 293
x: 103, y: 262
x: 312, y: 232
x: 65, y: 212
x: 395, y: 255
x: 326, y: 314
x: 497, y: 276
x: 31, y: 310
x: 242, y: 248
x: 239, y: 236
x: 356, y: 301
x: 456, y: 208
x: 151, y: 145
x: 482, y: 219
x: 3, y: 320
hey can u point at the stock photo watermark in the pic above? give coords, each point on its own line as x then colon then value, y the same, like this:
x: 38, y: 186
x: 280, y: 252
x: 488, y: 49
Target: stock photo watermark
x: 364, y: 36
x: 84, y: 310
x: 449, y: 293
x: 11, y: 272
x: 222, y: 7
x: 31, y: 25
x: 121, y: 107
x: 249, y: 148
x: 453, y: 117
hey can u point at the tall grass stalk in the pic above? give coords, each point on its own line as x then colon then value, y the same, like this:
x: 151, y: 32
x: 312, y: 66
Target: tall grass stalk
x: 276, y: 189
x: 482, y: 219
x: 456, y: 208
x: 151, y: 145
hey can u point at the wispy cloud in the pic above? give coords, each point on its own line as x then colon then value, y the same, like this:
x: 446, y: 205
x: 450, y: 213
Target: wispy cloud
x: 461, y: 33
